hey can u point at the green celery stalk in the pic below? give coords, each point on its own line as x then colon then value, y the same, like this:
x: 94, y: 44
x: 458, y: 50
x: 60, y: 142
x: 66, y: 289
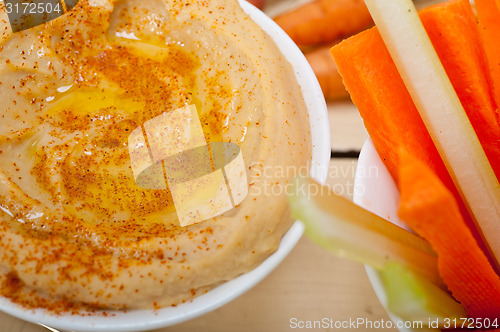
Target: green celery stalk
x: 407, y: 264
x: 350, y: 231
x: 414, y: 298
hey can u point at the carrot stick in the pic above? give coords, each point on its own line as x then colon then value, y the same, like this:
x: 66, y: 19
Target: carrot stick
x: 323, y: 21
x: 442, y: 113
x: 327, y: 73
x: 454, y: 33
x: 489, y: 23
x: 388, y: 111
x: 431, y: 211
x: 389, y: 114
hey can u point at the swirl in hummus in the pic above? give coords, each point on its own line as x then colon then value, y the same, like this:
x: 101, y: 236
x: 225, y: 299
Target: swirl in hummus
x: 74, y: 225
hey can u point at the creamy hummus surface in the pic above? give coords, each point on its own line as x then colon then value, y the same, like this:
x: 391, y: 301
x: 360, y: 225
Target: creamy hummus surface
x: 74, y: 225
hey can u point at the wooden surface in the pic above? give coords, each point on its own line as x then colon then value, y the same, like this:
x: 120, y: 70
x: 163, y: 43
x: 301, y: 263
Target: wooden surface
x: 311, y: 284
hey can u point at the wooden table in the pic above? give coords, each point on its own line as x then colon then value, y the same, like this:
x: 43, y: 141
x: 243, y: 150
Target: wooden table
x: 311, y: 284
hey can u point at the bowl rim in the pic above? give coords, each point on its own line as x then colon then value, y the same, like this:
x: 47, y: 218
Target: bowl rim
x: 140, y: 320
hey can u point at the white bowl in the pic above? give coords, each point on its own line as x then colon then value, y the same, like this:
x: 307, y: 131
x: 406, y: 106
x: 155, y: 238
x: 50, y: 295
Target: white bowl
x: 140, y: 320
x: 376, y: 191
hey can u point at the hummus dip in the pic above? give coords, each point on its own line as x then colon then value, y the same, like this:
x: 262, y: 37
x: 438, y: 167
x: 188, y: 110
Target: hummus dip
x: 75, y: 228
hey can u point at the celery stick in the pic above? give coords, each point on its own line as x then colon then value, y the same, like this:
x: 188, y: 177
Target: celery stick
x: 413, y: 298
x: 350, y: 231
x: 441, y: 111
x: 405, y: 262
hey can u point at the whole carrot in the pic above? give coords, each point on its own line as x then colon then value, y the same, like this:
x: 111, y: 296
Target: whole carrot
x: 327, y: 73
x: 257, y: 3
x: 323, y: 21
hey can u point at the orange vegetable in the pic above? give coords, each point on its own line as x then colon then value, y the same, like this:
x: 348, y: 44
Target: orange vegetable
x: 388, y: 111
x: 454, y: 33
x: 327, y: 73
x: 431, y: 210
x: 378, y: 91
x: 323, y: 21
x: 383, y: 101
x: 257, y: 3
x: 489, y: 23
